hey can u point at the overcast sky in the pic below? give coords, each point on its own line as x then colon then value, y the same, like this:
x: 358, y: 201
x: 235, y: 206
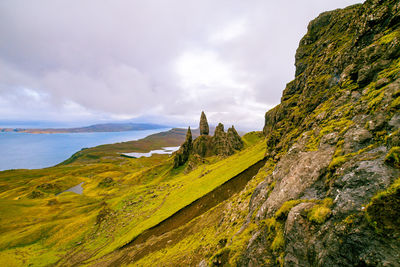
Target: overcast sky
x: 156, y: 60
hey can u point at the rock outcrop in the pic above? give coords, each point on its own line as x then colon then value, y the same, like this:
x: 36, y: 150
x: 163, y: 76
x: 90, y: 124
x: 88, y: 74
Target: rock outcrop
x: 332, y: 197
x: 220, y: 141
x: 204, y: 129
x: 182, y: 155
x: 234, y: 140
x: 203, y: 146
x: 221, y: 144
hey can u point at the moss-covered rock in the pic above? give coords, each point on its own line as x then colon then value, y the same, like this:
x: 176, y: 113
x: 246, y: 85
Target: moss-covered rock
x: 35, y: 194
x: 221, y: 144
x: 204, y: 129
x: 106, y: 182
x: 49, y: 188
x: 320, y: 212
x: 182, y: 155
x: 220, y: 141
x: 393, y: 157
x: 225, y: 144
x: 233, y: 138
x: 203, y: 146
x: 383, y: 212
x: 343, y: 106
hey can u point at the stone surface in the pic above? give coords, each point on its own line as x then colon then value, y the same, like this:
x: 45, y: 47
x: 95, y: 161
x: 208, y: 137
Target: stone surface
x: 356, y: 138
x: 221, y: 144
x: 329, y: 138
x: 220, y: 140
x: 234, y: 140
x: 299, y: 235
x: 203, y: 145
x: 182, y: 155
x: 204, y: 129
x: 294, y: 173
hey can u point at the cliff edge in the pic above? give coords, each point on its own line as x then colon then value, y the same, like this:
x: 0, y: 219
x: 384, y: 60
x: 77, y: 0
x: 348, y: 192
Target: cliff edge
x: 333, y: 198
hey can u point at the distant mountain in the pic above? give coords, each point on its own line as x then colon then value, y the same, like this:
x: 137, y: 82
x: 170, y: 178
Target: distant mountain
x: 105, y: 127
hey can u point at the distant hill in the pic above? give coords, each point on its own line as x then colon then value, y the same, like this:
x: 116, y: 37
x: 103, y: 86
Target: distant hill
x: 105, y: 127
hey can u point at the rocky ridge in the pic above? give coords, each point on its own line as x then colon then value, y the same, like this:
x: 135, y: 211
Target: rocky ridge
x: 329, y: 192
x: 221, y: 144
x: 334, y: 139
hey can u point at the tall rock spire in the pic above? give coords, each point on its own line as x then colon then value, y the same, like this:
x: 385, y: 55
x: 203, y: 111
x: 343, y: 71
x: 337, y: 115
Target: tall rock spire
x: 189, y: 138
x: 234, y: 139
x: 182, y: 155
x: 219, y: 140
x: 204, y: 129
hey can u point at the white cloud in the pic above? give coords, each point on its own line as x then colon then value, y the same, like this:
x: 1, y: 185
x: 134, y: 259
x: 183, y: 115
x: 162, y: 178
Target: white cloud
x: 228, y: 32
x: 201, y: 72
x: 168, y: 59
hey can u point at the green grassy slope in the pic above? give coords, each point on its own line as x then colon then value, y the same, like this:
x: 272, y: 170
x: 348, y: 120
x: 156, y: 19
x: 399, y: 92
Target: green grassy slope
x: 38, y: 227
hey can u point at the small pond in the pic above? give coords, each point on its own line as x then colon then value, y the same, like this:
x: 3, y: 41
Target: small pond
x: 76, y: 189
x: 164, y: 150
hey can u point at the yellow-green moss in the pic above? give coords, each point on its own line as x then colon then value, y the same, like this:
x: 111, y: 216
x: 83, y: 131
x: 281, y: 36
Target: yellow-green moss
x: 391, y: 71
x: 279, y: 241
x: 275, y: 230
x: 336, y: 162
x: 377, y: 99
x: 339, y: 126
x: 393, y: 157
x: 281, y: 259
x: 383, y: 212
x: 395, y: 105
x: 350, y: 219
x: 284, y: 210
x: 388, y: 37
x: 320, y: 212
x: 339, y: 159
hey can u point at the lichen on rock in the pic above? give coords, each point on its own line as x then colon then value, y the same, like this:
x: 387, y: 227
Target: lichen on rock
x: 204, y: 129
x: 221, y: 144
x: 234, y: 140
x: 182, y: 155
x: 335, y: 135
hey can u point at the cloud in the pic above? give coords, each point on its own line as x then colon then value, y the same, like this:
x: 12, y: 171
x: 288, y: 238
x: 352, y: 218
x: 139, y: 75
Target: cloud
x: 98, y: 59
x: 228, y: 32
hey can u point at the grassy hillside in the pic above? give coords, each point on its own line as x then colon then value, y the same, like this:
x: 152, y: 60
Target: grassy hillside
x: 122, y: 198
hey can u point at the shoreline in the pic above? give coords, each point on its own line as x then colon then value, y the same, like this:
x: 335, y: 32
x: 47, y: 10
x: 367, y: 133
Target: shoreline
x: 37, y: 151
x: 61, y: 131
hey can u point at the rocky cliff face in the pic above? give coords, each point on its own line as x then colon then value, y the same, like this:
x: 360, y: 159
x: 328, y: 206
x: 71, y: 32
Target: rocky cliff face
x: 333, y: 198
x: 329, y: 192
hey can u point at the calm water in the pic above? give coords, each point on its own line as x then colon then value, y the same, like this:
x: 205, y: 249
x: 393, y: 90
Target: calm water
x: 76, y: 189
x: 32, y: 151
x: 164, y: 150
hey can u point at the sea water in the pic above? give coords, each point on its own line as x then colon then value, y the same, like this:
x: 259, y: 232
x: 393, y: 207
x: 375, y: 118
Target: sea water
x: 33, y: 151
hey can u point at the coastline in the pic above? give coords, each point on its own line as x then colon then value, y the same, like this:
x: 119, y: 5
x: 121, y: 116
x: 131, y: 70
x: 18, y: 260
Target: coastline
x: 36, y: 151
